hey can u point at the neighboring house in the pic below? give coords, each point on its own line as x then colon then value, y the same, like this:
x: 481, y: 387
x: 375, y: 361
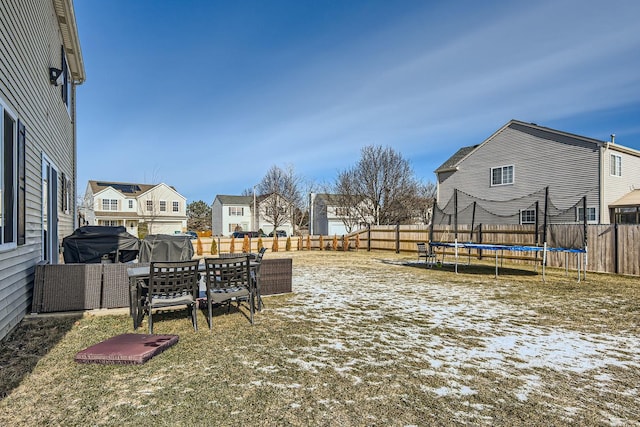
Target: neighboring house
x: 236, y: 213
x: 523, y: 158
x: 156, y: 209
x: 40, y: 67
x: 330, y: 217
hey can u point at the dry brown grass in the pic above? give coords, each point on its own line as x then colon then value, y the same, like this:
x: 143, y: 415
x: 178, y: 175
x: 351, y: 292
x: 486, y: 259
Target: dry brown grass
x: 365, y: 339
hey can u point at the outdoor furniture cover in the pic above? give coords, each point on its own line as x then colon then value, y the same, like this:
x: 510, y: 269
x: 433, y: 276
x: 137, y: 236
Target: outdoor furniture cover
x: 88, y: 245
x: 165, y: 247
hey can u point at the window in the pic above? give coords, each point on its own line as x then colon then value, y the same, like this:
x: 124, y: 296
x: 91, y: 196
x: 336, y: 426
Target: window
x: 236, y: 211
x: 591, y: 214
x: 502, y: 175
x: 130, y: 204
x: 627, y: 215
x: 616, y: 165
x: 176, y: 206
x: 163, y: 206
x: 149, y: 205
x: 65, y: 82
x: 109, y: 204
x: 109, y: 223
x: 528, y: 216
x: 8, y: 175
x: 342, y: 211
x: 234, y: 227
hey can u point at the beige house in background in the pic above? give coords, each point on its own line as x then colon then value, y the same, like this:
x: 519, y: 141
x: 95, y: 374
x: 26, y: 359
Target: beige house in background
x: 156, y: 209
x: 41, y: 66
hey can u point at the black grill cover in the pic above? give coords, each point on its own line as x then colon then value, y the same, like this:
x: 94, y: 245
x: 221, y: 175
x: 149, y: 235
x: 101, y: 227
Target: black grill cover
x: 88, y: 245
x: 165, y: 247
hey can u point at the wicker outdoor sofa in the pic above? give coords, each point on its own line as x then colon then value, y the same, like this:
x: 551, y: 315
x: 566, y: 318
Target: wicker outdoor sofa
x: 78, y: 287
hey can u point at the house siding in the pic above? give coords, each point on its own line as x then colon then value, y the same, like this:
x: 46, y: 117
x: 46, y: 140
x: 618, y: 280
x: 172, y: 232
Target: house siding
x: 30, y: 43
x: 617, y: 186
x: 568, y: 166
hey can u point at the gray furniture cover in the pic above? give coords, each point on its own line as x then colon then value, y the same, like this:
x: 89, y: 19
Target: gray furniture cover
x: 165, y: 247
x: 88, y: 245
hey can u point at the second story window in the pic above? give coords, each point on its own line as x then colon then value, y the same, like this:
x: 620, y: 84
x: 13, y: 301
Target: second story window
x: 176, y: 206
x: 615, y: 168
x: 342, y: 211
x: 109, y: 204
x: 149, y: 205
x: 502, y: 175
x: 236, y: 211
x: 130, y: 204
x: 163, y: 206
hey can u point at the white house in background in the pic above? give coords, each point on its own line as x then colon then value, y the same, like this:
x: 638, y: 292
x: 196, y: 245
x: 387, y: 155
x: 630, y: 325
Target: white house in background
x: 329, y: 216
x: 231, y: 213
x: 158, y: 208
x: 40, y: 68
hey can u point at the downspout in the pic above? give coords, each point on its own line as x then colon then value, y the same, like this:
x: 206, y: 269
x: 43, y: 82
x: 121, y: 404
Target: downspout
x: 74, y: 137
x: 603, y: 150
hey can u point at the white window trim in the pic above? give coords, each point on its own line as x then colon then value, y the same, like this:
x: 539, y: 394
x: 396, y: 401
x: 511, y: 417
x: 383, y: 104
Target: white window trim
x: 175, y: 206
x: 163, y: 205
x: 612, y: 164
x: 589, y: 221
x: 527, y: 222
x: 513, y: 175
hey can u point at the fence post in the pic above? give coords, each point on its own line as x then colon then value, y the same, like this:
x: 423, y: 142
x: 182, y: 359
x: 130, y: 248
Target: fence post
x: 369, y: 237
x: 480, y: 240
x: 616, y: 242
x: 397, y: 238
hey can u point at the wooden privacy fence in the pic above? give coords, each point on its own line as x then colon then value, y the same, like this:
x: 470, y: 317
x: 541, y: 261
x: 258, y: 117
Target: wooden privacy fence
x: 611, y: 248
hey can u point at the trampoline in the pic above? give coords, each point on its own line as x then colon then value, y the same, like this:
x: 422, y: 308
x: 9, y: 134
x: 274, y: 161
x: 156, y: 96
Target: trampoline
x: 469, y: 209
x: 514, y: 248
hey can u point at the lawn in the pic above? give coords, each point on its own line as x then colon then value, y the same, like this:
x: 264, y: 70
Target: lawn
x: 366, y: 339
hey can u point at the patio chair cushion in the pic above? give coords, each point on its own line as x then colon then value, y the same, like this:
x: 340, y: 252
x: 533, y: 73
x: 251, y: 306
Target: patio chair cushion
x: 126, y: 349
x: 219, y: 295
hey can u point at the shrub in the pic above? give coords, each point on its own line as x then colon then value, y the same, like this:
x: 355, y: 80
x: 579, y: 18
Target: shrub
x: 345, y: 242
x: 334, y: 244
x: 274, y: 245
x: 308, y: 242
x: 245, y: 245
x: 199, y: 246
x: 214, y: 247
x: 287, y: 246
x: 232, y: 245
x: 321, y: 243
x: 260, y: 244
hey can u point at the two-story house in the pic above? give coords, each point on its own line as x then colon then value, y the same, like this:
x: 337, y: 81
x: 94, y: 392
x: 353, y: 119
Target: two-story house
x: 40, y: 68
x: 141, y: 208
x: 523, y: 159
x: 330, y: 216
x: 246, y: 213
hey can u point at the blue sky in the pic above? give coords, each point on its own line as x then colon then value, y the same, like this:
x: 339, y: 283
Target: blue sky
x: 208, y: 95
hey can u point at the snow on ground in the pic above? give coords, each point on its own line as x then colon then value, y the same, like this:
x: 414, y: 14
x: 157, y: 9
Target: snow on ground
x: 444, y: 328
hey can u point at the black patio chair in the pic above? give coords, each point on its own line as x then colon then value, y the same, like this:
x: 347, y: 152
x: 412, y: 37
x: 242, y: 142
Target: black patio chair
x: 172, y: 284
x: 227, y: 280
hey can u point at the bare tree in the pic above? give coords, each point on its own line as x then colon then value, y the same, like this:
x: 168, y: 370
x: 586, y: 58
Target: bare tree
x: 381, y: 187
x: 280, y: 195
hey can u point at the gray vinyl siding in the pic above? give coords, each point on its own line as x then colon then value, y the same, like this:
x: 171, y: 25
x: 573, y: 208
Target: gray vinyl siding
x: 568, y: 166
x: 30, y: 43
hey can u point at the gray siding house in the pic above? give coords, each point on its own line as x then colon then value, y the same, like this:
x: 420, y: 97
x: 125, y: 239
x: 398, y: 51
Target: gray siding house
x: 521, y: 160
x: 40, y: 67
